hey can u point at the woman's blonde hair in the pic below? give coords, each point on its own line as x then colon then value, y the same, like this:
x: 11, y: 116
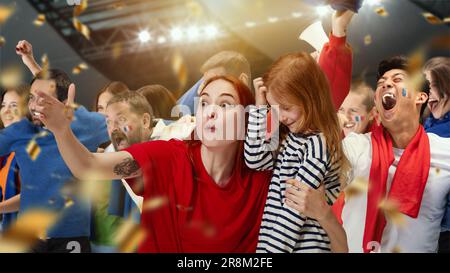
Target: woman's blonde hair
x: 297, y: 79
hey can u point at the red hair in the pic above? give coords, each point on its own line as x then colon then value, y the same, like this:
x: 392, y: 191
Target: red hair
x: 246, y: 98
x: 297, y: 79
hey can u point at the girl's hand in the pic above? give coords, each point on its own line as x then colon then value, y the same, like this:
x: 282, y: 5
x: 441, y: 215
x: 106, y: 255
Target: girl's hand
x: 306, y: 200
x: 260, y: 92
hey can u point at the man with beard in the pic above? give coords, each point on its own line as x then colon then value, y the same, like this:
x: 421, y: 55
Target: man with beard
x: 44, y: 173
x: 129, y: 121
x: 407, y: 169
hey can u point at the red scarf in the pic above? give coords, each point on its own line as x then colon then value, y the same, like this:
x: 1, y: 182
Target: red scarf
x: 407, y: 185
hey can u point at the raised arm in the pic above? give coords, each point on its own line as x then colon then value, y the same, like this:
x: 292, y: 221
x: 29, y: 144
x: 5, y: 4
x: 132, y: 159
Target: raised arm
x: 336, y: 58
x: 25, y: 50
x: 258, y: 150
x: 57, y: 117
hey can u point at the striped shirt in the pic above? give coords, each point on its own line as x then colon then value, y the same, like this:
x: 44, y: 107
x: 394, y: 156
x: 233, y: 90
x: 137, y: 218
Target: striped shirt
x: 301, y: 157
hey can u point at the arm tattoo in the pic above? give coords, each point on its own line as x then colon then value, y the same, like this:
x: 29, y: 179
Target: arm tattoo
x: 127, y: 168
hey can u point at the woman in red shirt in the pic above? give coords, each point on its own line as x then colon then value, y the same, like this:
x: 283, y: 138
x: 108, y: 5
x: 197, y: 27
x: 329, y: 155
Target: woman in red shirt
x: 215, y: 202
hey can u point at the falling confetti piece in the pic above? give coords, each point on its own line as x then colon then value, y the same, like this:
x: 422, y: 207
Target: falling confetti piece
x: 367, y: 40
x: 195, y: 8
x: 432, y: 19
x: 391, y: 211
x: 204, y: 226
x: 118, y: 6
x: 180, y: 69
x: 40, y: 20
x: 2, y: 41
x: 68, y: 203
x: 83, y: 66
x: 11, y: 76
x: 438, y: 171
x: 31, y: 226
x: 357, y: 187
x: 155, y: 203
x: 45, y: 66
x: 5, y: 13
x: 129, y: 236
x: 116, y: 50
x: 381, y: 11
x: 404, y: 93
x: 79, y: 9
x: 81, y: 28
x: 396, y: 249
x: 183, y: 208
x: 42, y: 134
x: 77, y: 69
x: 33, y: 149
x: 416, y: 62
x: 13, y: 246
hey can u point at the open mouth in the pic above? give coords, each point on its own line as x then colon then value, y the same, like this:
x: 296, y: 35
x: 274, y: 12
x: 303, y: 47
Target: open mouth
x: 389, y: 100
x: 432, y: 103
x: 211, y: 128
x: 119, y: 140
x: 349, y: 125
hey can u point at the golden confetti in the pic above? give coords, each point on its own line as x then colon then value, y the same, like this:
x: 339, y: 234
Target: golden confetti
x: 184, y: 208
x: 79, y: 9
x: 396, y: 249
x: 5, y: 13
x: 205, y: 227
x: 129, y: 236
x: 87, y: 189
x: 40, y: 20
x: 31, y: 226
x: 13, y: 246
x: 381, y: 11
x: 432, y: 19
x: 438, y: 171
x: 155, y: 203
x: 33, y: 149
x: 116, y: 50
x: 2, y: 41
x: 195, y: 8
x: 357, y: 187
x: 416, y: 62
x: 118, y: 5
x: 180, y: 69
x: 367, y: 40
x: 68, y: 203
x: 45, y: 66
x: 77, y: 70
x: 81, y: 28
x: 392, y: 213
x: 42, y: 134
x: 83, y: 66
x: 11, y: 76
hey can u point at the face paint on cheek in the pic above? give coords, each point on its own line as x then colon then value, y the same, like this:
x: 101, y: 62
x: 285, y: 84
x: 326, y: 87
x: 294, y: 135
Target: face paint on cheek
x: 359, y: 118
x: 404, y: 92
x: 127, y: 129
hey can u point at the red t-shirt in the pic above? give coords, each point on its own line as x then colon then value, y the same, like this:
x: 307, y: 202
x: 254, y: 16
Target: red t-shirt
x: 200, y: 216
